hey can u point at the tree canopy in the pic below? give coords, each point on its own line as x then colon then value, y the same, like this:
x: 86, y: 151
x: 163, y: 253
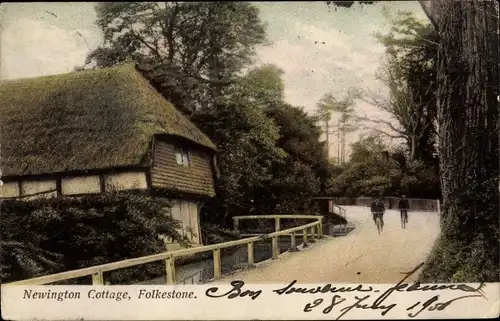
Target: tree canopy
x: 189, y: 50
x: 451, y: 74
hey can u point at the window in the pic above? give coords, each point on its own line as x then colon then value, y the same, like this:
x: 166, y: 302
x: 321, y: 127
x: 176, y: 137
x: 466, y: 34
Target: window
x: 182, y: 156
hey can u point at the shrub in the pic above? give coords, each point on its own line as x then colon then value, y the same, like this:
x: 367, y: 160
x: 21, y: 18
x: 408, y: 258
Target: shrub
x: 45, y: 236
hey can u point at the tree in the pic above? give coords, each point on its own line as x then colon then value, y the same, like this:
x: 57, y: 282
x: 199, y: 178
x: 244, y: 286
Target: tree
x: 301, y: 174
x: 189, y: 50
x: 324, y: 109
x: 468, y: 117
x: 264, y: 85
x: 53, y: 235
x: 305, y: 171
x: 413, y: 118
x: 410, y: 76
x: 246, y: 139
x: 345, y: 108
x: 327, y: 105
x: 468, y: 122
x: 368, y: 172
x: 269, y: 151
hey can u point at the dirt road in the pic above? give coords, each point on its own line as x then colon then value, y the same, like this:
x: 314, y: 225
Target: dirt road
x: 362, y: 256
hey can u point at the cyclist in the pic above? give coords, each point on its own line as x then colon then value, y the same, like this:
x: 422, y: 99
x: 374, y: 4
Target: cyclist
x: 378, y: 209
x: 403, y: 207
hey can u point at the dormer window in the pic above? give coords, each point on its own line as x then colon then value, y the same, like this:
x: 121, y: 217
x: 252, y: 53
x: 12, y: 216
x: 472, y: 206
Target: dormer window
x: 182, y: 156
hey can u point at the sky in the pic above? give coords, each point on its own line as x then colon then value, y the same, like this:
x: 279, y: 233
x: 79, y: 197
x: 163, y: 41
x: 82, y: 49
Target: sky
x: 320, y: 49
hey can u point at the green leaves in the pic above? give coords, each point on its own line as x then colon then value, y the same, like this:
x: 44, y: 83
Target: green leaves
x: 189, y: 50
x: 264, y: 85
x: 53, y: 235
x: 411, y: 77
x: 270, y: 155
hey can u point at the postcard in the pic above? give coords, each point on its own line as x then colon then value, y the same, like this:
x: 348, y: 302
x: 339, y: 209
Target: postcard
x: 249, y: 160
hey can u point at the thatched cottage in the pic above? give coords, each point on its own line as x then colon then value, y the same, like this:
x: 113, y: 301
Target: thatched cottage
x: 100, y: 130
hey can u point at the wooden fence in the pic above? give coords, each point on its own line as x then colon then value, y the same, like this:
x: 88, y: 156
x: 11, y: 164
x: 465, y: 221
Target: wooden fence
x: 416, y: 204
x: 311, y: 230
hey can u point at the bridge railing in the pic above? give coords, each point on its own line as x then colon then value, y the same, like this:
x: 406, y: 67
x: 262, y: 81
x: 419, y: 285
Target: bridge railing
x: 313, y: 230
x: 277, y: 221
x: 340, y: 211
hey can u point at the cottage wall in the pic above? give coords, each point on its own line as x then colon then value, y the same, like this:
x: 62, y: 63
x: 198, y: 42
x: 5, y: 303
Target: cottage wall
x: 39, y: 188
x: 166, y: 173
x: 127, y: 180
x: 187, y: 212
x: 80, y: 185
x: 9, y: 190
x: 74, y: 185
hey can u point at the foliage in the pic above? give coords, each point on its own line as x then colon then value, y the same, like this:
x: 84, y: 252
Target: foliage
x: 299, y: 137
x: 366, y: 173
x: 45, y: 236
x: 213, y: 233
x: 468, y: 118
x: 344, y: 107
x: 189, y: 50
x: 246, y: 139
x: 193, y: 54
x: 302, y: 174
x: 421, y: 180
x: 375, y: 169
x: 264, y: 85
x: 410, y: 76
x: 269, y: 152
x: 466, y: 100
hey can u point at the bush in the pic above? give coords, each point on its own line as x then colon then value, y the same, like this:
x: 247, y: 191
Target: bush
x: 46, y: 236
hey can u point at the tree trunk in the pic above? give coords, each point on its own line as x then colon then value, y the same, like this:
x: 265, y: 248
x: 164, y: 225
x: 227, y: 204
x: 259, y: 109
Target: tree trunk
x: 413, y: 147
x: 468, y: 116
x: 343, y: 146
x: 327, y: 134
x: 339, y: 160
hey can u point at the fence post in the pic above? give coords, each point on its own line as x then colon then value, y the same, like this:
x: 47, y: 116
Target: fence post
x: 313, y: 235
x: 236, y: 224
x: 304, y: 237
x: 217, y: 264
x: 276, y: 248
x: 251, y: 260
x: 293, y: 246
x: 98, y: 278
x: 170, y: 269
x: 438, y: 206
x: 276, y: 224
x: 320, y: 228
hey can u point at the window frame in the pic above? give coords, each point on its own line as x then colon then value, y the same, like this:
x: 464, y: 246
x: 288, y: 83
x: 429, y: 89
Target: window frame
x: 185, y: 156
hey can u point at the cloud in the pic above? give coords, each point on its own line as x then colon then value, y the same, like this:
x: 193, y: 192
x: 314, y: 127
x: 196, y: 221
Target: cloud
x: 317, y: 60
x: 33, y: 48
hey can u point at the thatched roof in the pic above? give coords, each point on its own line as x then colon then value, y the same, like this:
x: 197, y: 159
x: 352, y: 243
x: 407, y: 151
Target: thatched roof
x: 94, y: 119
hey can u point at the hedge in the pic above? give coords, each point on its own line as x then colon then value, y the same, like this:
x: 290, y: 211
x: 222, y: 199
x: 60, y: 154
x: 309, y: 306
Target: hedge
x: 45, y: 236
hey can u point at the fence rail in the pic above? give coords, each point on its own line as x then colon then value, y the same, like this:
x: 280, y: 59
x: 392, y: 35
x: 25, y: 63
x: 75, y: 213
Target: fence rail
x: 416, y: 204
x: 342, y: 213
x: 313, y: 230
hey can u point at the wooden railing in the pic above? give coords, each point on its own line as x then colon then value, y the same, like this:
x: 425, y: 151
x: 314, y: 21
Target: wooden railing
x: 342, y: 212
x: 314, y: 230
x: 277, y: 221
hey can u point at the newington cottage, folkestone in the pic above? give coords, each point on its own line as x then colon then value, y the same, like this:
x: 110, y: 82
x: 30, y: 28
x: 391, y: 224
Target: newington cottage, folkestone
x: 102, y: 130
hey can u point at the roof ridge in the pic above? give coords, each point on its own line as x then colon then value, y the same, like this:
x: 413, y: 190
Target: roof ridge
x: 77, y: 74
x: 99, y: 118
